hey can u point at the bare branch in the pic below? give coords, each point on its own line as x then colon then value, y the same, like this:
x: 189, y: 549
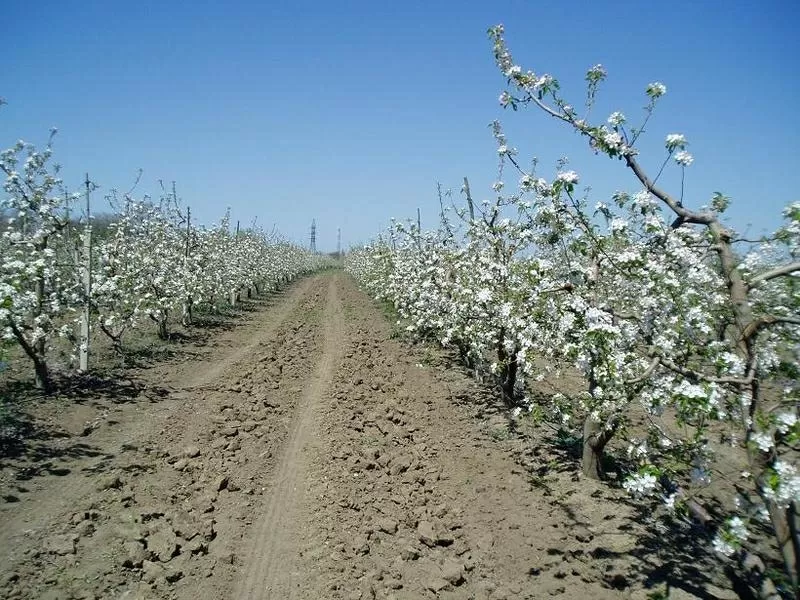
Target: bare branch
x: 774, y: 273
x: 760, y: 323
x: 684, y: 215
x: 698, y: 376
x: 647, y: 372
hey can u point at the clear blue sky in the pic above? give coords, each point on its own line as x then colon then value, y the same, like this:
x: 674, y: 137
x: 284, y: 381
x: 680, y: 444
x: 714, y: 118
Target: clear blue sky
x: 350, y: 112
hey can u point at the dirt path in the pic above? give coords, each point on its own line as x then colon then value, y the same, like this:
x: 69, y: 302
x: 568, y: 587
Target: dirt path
x: 271, y: 569
x: 59, y: 494
x: 306, y: 455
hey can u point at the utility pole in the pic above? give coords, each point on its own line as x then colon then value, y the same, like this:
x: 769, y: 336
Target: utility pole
x: 419, y: 229
x: 338, y: 242
x: 465, y: 189
x: 313, y: 247
x: 188, y: 234
x: 87, y: 284
x: 234, y: 292
x: 188, y: 301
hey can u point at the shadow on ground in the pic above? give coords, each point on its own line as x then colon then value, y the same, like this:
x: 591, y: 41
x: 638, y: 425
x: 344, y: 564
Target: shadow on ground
x: 33, y: 439
x: 667, y: 553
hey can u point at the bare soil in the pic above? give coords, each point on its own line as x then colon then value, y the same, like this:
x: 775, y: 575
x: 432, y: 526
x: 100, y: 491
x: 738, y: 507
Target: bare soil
x: 306, y: 454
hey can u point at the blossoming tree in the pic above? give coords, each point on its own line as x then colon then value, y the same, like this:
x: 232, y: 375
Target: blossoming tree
x: 36, y: 289
x: 646, y: 299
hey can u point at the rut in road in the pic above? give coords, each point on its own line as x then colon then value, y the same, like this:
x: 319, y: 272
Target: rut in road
x: 265, y: 329
x: 271, y: 568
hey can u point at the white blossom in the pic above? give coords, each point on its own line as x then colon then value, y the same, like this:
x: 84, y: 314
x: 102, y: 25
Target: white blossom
x: 640, y: 484
x: 683, y: 158
x: 616, y: 119
x: 569, y: 177
x: 656, y: 90
x: 675, y: 141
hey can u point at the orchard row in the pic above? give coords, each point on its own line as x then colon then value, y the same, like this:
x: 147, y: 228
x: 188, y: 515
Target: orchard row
x: 150, y: 264
x: 685, y: 344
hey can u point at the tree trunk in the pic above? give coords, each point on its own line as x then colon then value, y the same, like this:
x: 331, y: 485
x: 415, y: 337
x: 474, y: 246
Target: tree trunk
x: 41, y: 374
x: 508, y: 369
x: 36, y: 353
x: 784, y: 523
x: 116, y: 339
x: 794, y: 532
x: 510, y: 379
x: 595, y: 438
x: 745, y: 329
x: 187, y: 311
x: 163, y: 330
x: 40, y: 346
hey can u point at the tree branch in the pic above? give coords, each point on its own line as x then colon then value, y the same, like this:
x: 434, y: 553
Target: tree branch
x: 692, y: 374
x: 647, y: 372
x: 760, y: 323
x: 774, y: 273
x: 28, y: 348
x: 684, y: 215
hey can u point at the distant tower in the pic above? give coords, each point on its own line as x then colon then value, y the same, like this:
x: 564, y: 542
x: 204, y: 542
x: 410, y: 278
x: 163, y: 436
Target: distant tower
x: 338, y: 242
x: 313, y: 236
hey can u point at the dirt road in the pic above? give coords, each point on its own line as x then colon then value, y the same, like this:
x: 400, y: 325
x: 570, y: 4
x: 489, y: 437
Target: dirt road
x: 306, y: 455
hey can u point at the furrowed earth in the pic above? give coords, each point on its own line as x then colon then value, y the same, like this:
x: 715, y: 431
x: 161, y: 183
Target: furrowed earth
x: 306, y: 453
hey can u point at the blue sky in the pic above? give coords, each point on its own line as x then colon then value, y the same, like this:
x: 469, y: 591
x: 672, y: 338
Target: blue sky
x: 350, y: 112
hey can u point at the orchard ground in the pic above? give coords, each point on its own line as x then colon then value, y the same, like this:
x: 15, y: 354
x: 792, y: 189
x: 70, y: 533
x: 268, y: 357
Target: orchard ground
x: 306, y: 453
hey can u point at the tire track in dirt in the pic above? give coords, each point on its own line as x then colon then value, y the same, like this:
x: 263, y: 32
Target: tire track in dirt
x: 271, y: 570
x: 272, y: 318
